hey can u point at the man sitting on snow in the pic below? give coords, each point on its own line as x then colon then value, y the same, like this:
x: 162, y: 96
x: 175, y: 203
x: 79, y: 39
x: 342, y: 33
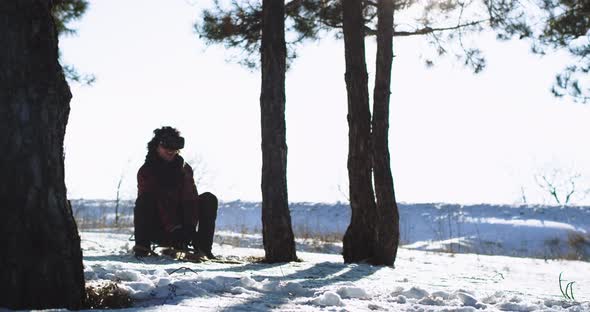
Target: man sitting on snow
x: 168, y: 206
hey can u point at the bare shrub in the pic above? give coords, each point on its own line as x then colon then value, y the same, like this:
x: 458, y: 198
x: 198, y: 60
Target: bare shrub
x: 562, y: 185
x: 552, y: 248
x: 580, y: 245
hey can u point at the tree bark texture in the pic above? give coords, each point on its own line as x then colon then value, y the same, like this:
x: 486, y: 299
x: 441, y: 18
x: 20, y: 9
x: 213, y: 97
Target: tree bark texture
x: 387, y: 221
x: 358, y: 242
x: 277, y: 233
x: 41, y: 259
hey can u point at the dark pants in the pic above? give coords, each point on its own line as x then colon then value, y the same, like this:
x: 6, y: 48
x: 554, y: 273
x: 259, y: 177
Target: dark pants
x: 149, y: 229
x: 207, y: 215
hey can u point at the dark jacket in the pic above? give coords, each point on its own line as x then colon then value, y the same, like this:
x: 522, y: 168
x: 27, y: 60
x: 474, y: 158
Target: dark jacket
x: 171, y: 187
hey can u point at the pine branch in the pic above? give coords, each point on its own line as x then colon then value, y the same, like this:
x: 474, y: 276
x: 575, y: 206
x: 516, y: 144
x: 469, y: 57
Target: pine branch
x: 429, y: 30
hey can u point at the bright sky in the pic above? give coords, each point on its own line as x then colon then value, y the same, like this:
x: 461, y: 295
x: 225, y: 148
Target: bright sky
x: 455, y: 137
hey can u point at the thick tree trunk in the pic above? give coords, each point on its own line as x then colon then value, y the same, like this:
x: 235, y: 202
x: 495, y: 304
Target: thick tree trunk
x: 277, y: 234
x: 359, y: 238
x: 387, y: 222
x: 41, y: 260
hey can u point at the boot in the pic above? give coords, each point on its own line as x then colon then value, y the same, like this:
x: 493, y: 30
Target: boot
x: 141, y: 251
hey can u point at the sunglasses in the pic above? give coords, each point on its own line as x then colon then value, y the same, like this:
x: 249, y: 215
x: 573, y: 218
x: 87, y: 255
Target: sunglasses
x: 172, y: 142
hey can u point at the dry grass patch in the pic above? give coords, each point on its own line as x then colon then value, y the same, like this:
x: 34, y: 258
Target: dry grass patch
x: 107, y: 296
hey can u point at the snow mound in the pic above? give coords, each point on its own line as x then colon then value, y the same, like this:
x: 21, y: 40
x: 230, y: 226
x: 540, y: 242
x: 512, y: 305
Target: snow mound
x: 296, y: 289
x: 413, y: 293
x: 352, y: 292
x: 467, y: 299
x: 128, y: 275
x: 329, y: 298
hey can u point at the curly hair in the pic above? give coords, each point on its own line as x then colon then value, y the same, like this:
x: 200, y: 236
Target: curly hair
x: 155, y: 141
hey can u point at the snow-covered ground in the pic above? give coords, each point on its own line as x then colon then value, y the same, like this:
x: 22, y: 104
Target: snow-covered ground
x: 424, y: 279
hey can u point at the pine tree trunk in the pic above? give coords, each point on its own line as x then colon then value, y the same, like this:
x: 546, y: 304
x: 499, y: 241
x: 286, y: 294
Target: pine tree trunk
x: 387, y: 222
x: 277, y: 234
x: 41, y: 259
x: 358, y: 240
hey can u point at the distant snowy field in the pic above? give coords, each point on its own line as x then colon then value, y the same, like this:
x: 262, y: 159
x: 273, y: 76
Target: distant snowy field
x: 425, y: 279
x: 527, y: 231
